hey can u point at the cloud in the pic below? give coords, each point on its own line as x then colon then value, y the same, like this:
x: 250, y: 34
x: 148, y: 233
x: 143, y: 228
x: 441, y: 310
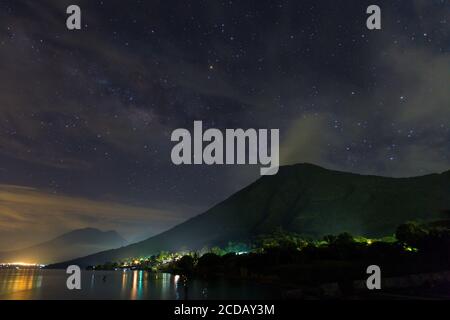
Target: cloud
x: 400, y: 129
x: 103, y: 100
x: 28, y: 215
x: 308, y: 140
x: 425, y: 77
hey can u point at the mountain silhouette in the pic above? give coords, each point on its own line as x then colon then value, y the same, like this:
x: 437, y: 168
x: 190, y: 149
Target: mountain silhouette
x: 305, y: 199
x: 67, y: 246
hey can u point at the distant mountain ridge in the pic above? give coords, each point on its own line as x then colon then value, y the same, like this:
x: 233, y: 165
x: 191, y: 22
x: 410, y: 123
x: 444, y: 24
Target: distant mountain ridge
x: 67, y: 246
x: 305, y: 199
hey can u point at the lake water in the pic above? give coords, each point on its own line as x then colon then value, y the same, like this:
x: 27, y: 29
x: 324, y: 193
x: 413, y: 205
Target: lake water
x: 32, y: 284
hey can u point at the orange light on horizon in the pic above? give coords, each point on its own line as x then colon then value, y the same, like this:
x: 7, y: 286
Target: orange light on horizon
x: 21, y: 264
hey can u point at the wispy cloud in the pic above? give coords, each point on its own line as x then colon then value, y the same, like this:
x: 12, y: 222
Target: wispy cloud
x: 28, y: 215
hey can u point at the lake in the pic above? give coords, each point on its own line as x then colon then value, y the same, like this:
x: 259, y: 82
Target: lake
x: 34, y: 284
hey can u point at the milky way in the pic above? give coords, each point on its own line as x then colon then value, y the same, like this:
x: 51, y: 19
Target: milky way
x: 89, y: 113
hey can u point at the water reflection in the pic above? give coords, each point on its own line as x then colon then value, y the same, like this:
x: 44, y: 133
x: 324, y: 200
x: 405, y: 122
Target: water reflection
x: 131, y: 284
x: 124, y: 285
x: 136, y: 289
x: 20, y: 283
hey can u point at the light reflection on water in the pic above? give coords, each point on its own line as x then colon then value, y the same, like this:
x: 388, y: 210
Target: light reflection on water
x: 20, y: 283
x: 135, y: 285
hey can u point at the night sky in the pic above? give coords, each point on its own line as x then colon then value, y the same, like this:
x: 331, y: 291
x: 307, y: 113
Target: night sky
x: 86, y: 116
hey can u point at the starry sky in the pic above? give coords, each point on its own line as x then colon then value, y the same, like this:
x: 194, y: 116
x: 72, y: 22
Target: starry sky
x: 86, y: 116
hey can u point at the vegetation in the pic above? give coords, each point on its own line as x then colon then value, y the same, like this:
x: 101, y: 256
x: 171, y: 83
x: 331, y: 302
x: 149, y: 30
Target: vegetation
x: 304, y: 199
x: 289, y: 258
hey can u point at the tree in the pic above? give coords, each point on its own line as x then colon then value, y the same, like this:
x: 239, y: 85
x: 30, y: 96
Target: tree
x: 410, y: 233
x: 217, y: 251
x: 209, y: 262
x: 186, y: 265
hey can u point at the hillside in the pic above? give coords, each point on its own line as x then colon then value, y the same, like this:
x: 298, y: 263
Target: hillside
x: 306, y: 199
x: 67, y: 246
